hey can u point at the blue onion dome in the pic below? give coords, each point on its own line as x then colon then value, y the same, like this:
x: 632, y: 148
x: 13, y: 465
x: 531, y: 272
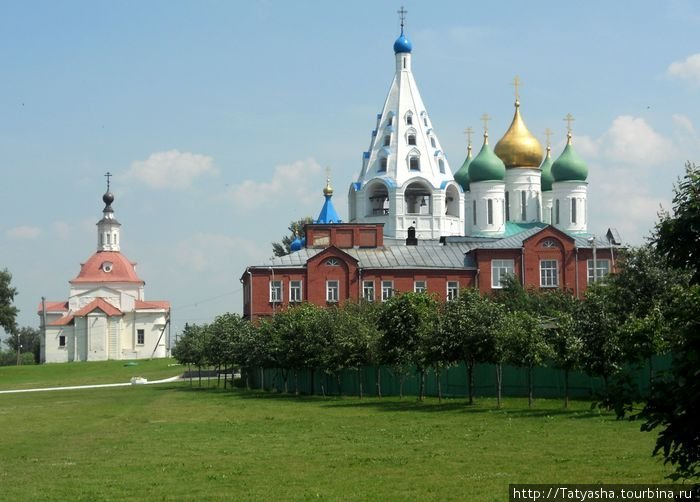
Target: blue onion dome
x: 296, y: 244
x: 546, y: 167
x: 402, y: 44
x: 486, y: 166
x: 569, y: 166
x: 462, y: 174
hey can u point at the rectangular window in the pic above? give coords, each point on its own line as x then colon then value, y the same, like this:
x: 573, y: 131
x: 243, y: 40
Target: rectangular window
x: 382, y: 164
x: 556, y: 212
x: 499, y: 270
x: 602, y: 269
x: 294, y: 291
x: 61, y: 340
x: 549, y: 273
x: 419, y: 286
x: 414, y: 164
x: 409, y: 119
x: 489, y: 211
x: 507, y: 206
x: 140, y: 337
x: 523, y: 206
x: 275, y: 291
x: 412, y: 139
x: 474, y: 211
x: 452, y: 290
x: 573, y: 210
x: 387, y: 290
x: 332, y: 291
x: 368, y: 290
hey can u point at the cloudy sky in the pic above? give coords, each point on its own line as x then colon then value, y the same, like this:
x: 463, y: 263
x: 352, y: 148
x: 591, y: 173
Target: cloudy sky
x: 219, y: 118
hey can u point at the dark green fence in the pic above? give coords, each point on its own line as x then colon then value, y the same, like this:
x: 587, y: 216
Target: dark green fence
x: 548, y: 382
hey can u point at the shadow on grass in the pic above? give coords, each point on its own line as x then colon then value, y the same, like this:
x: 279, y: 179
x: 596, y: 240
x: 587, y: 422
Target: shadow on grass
x: 512, y: 406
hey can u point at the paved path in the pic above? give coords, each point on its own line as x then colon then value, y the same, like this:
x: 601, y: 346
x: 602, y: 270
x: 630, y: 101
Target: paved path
x: 74, y: 387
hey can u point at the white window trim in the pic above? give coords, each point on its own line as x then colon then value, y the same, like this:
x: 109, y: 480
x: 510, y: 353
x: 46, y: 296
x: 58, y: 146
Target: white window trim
x: 143, y: 331
x: 449, y: 286
x: 500, y: 266
x: 301, y: 291
x: 556, y: 273
x: 589, y: 269
x: 336, y: 288
x: 423, y: 289
x: 365, y: 287
x: 390, y: 290
x: 273, y: 287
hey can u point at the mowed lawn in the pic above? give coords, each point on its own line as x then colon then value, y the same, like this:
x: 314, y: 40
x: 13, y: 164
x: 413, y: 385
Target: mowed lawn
x: 170, y: 442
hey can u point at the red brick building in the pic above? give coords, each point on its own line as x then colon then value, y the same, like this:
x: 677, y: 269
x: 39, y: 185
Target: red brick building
x: 342, y: 261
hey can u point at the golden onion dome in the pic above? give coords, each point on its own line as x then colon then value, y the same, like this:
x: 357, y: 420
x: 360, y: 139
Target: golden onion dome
x: 519, y: 147
x: 328, y: 189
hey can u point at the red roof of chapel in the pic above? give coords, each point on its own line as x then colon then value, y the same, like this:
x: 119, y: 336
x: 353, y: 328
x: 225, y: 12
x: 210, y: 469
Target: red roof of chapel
x: 122, y: 269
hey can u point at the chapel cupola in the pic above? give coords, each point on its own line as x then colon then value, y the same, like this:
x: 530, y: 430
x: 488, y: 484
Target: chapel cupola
x: 108, y: 226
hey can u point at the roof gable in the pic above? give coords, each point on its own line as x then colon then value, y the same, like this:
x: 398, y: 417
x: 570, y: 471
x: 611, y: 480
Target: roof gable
x: 99, y: 304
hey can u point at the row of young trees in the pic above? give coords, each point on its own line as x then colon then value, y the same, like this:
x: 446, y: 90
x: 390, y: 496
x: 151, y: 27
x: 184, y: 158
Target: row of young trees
x: 620, y: 322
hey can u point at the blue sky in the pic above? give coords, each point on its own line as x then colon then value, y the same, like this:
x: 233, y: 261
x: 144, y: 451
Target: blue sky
x: 218, y: 119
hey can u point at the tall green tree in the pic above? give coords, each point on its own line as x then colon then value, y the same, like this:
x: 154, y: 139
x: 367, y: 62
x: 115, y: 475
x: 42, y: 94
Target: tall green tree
x: 296, y: 229
x: 469, y: 324
x: 528, y: 347
x: 8, y: 312
x: 677, y: 234
x: 408, y: 321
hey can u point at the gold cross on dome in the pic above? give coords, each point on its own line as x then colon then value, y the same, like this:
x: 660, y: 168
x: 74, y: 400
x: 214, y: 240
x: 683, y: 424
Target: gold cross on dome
x: 569, y: 119
x: 517, y: 83
x: 485, y: 119
x: 548, y: 135
x: 468, y: 131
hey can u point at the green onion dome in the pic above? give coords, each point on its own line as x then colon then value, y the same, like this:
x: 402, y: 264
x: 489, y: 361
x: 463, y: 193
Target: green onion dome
x: 486, y: 166
x: 569, y: 166
x: 546, y: 167
x: 462, y: 174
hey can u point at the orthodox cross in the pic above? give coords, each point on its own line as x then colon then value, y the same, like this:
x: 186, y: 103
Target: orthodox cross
x: 485, y: 119
x: 548, y: 135
x: 468, y: 131
x: 402, y: 16
x: 517, y: 84
x: 108, y: 175
x: 569, y: 119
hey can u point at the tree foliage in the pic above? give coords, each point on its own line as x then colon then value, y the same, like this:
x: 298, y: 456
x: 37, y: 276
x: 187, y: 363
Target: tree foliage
x: 8, y: 312
x: 296, y: 229
x: 29, y: 341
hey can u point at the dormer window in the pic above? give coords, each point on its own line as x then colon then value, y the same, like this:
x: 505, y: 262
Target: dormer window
x: 441, y: 164
x: 414, y: 163
x: 333, y: 262
x: 412, y: 139
x: 432, y: 142
x: 390, y: 121
x: 387, y: 140
x: 382, y: 164
x: 409, y: 118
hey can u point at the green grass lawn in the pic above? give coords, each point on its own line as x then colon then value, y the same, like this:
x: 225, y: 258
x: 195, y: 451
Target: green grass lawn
x: 84, y: 373
x: 175, y: 443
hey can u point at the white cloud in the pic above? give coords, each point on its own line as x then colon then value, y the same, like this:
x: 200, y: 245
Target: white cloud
x: 586, y: 146
x: 173, y: 169
x: 298, y: 182
x: 684, y: 123
x: 24, y: 233
x: 687, y: 70
x: 631, y: 140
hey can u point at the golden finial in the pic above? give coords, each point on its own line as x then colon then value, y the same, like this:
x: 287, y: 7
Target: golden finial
x: 328, y: 190
x: 517, y: 83
x: 568, y: 119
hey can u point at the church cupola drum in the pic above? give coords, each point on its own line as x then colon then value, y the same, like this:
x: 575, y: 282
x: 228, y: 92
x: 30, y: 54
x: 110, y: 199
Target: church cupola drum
x: 405, y: 180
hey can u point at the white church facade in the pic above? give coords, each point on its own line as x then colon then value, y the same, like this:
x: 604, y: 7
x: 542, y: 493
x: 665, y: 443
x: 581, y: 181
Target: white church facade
x: 106, y: 315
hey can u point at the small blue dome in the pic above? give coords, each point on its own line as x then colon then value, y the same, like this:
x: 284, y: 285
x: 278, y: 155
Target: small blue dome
x: 296, y: 244
x: 402, y: 44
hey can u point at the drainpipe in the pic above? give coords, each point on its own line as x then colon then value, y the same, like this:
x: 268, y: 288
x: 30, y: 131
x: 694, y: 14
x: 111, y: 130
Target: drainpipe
x: 576, y: 269
x: 250, y: 290
x: 359, y: 285
x: 522, y: 265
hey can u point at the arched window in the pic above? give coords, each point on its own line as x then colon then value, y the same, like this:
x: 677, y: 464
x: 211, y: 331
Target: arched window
x: 378, y: 200
x: 409, y: 118
x: 556, y: 212
x: 382, y: 164
x: 507, y: 205
x: 441, y: 165
x: 489, y: 211
x: 418, y: 198
x: 387, y: 140
x: 474, y: 212
x: 414, y: 163
x: 412, y: 139
x: 432, y: 141
x: 573, y: 210
x: 452, y: 201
